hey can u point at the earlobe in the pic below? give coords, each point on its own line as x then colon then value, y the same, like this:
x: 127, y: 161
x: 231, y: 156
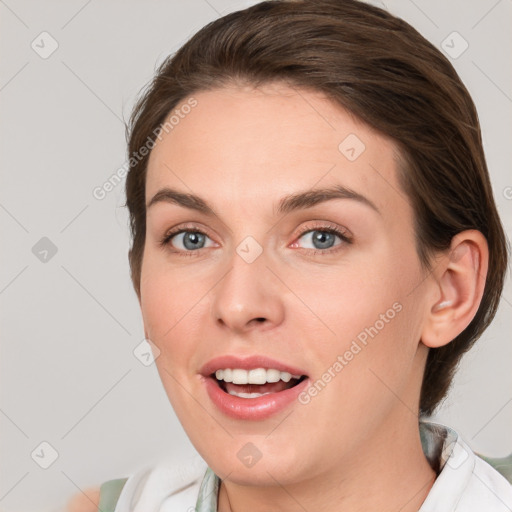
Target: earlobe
x: 458, y: 283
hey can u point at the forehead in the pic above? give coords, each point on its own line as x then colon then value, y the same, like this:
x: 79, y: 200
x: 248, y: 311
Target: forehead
x: 256, y: 145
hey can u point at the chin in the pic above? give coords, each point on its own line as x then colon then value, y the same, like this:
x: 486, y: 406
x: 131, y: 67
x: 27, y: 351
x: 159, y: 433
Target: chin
x: 248, y: 467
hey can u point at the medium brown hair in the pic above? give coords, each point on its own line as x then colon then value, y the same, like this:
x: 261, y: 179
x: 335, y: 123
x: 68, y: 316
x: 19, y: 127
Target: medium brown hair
x: 383, y: 71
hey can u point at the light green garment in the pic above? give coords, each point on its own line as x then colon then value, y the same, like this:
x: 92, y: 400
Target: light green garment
x: 208, y: 492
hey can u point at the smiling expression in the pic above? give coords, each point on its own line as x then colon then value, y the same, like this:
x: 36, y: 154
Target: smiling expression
x: 244, y: 256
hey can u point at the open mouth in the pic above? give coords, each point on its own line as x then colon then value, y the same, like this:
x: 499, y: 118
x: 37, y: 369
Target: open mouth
x: 256, y: 390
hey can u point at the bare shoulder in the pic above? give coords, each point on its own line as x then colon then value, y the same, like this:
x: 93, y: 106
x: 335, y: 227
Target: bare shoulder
x: 86, y: 501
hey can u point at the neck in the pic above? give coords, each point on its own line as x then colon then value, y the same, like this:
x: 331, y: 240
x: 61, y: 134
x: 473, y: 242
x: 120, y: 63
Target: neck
x: 388, y: 472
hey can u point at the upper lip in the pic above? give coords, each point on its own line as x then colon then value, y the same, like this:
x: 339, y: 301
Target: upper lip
x: 247, y: 363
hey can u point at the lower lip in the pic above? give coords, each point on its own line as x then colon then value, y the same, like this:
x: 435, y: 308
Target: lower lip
x: 252, y: 408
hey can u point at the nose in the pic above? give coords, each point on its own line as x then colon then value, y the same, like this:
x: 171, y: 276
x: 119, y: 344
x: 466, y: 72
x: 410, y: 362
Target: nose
x: 249, y: 295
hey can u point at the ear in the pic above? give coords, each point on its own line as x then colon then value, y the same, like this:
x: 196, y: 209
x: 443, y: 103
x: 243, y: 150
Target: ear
x: 457, y: 284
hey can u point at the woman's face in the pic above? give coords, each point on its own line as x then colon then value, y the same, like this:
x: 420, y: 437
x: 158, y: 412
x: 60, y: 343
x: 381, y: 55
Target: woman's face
x: 332, y: 288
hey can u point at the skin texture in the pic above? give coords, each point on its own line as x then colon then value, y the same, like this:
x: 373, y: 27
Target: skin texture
x: 355, y: 446
x: 86, y: 501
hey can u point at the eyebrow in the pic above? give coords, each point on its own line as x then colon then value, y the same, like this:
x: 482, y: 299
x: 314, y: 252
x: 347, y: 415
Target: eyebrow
x: 296, y: 201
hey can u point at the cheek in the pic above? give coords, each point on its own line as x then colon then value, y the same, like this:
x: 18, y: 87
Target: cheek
x: 168, y: 319
x: 174, y: 310
x: 163, y: 305
x: 157, y: 307
x: 369, y: 316
x: 165, y: 297
x: 348, y: 302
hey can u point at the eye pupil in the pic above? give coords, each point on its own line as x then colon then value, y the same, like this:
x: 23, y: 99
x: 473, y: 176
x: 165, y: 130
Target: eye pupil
x: 194, y: 238
x: 320, y: 236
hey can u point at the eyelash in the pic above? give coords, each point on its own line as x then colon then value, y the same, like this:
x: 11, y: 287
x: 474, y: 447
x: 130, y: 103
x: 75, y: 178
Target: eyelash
x: 342, y: 234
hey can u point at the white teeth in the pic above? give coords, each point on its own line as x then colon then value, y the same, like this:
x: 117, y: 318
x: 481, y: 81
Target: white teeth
x: 255, y: 376
x: 273, y: 375
x: 240, y: 376
x: 286, y: 376
x: 247, y: 395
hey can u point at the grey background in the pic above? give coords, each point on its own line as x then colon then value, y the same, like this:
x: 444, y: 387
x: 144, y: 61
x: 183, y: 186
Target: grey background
x: 70, y: 324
